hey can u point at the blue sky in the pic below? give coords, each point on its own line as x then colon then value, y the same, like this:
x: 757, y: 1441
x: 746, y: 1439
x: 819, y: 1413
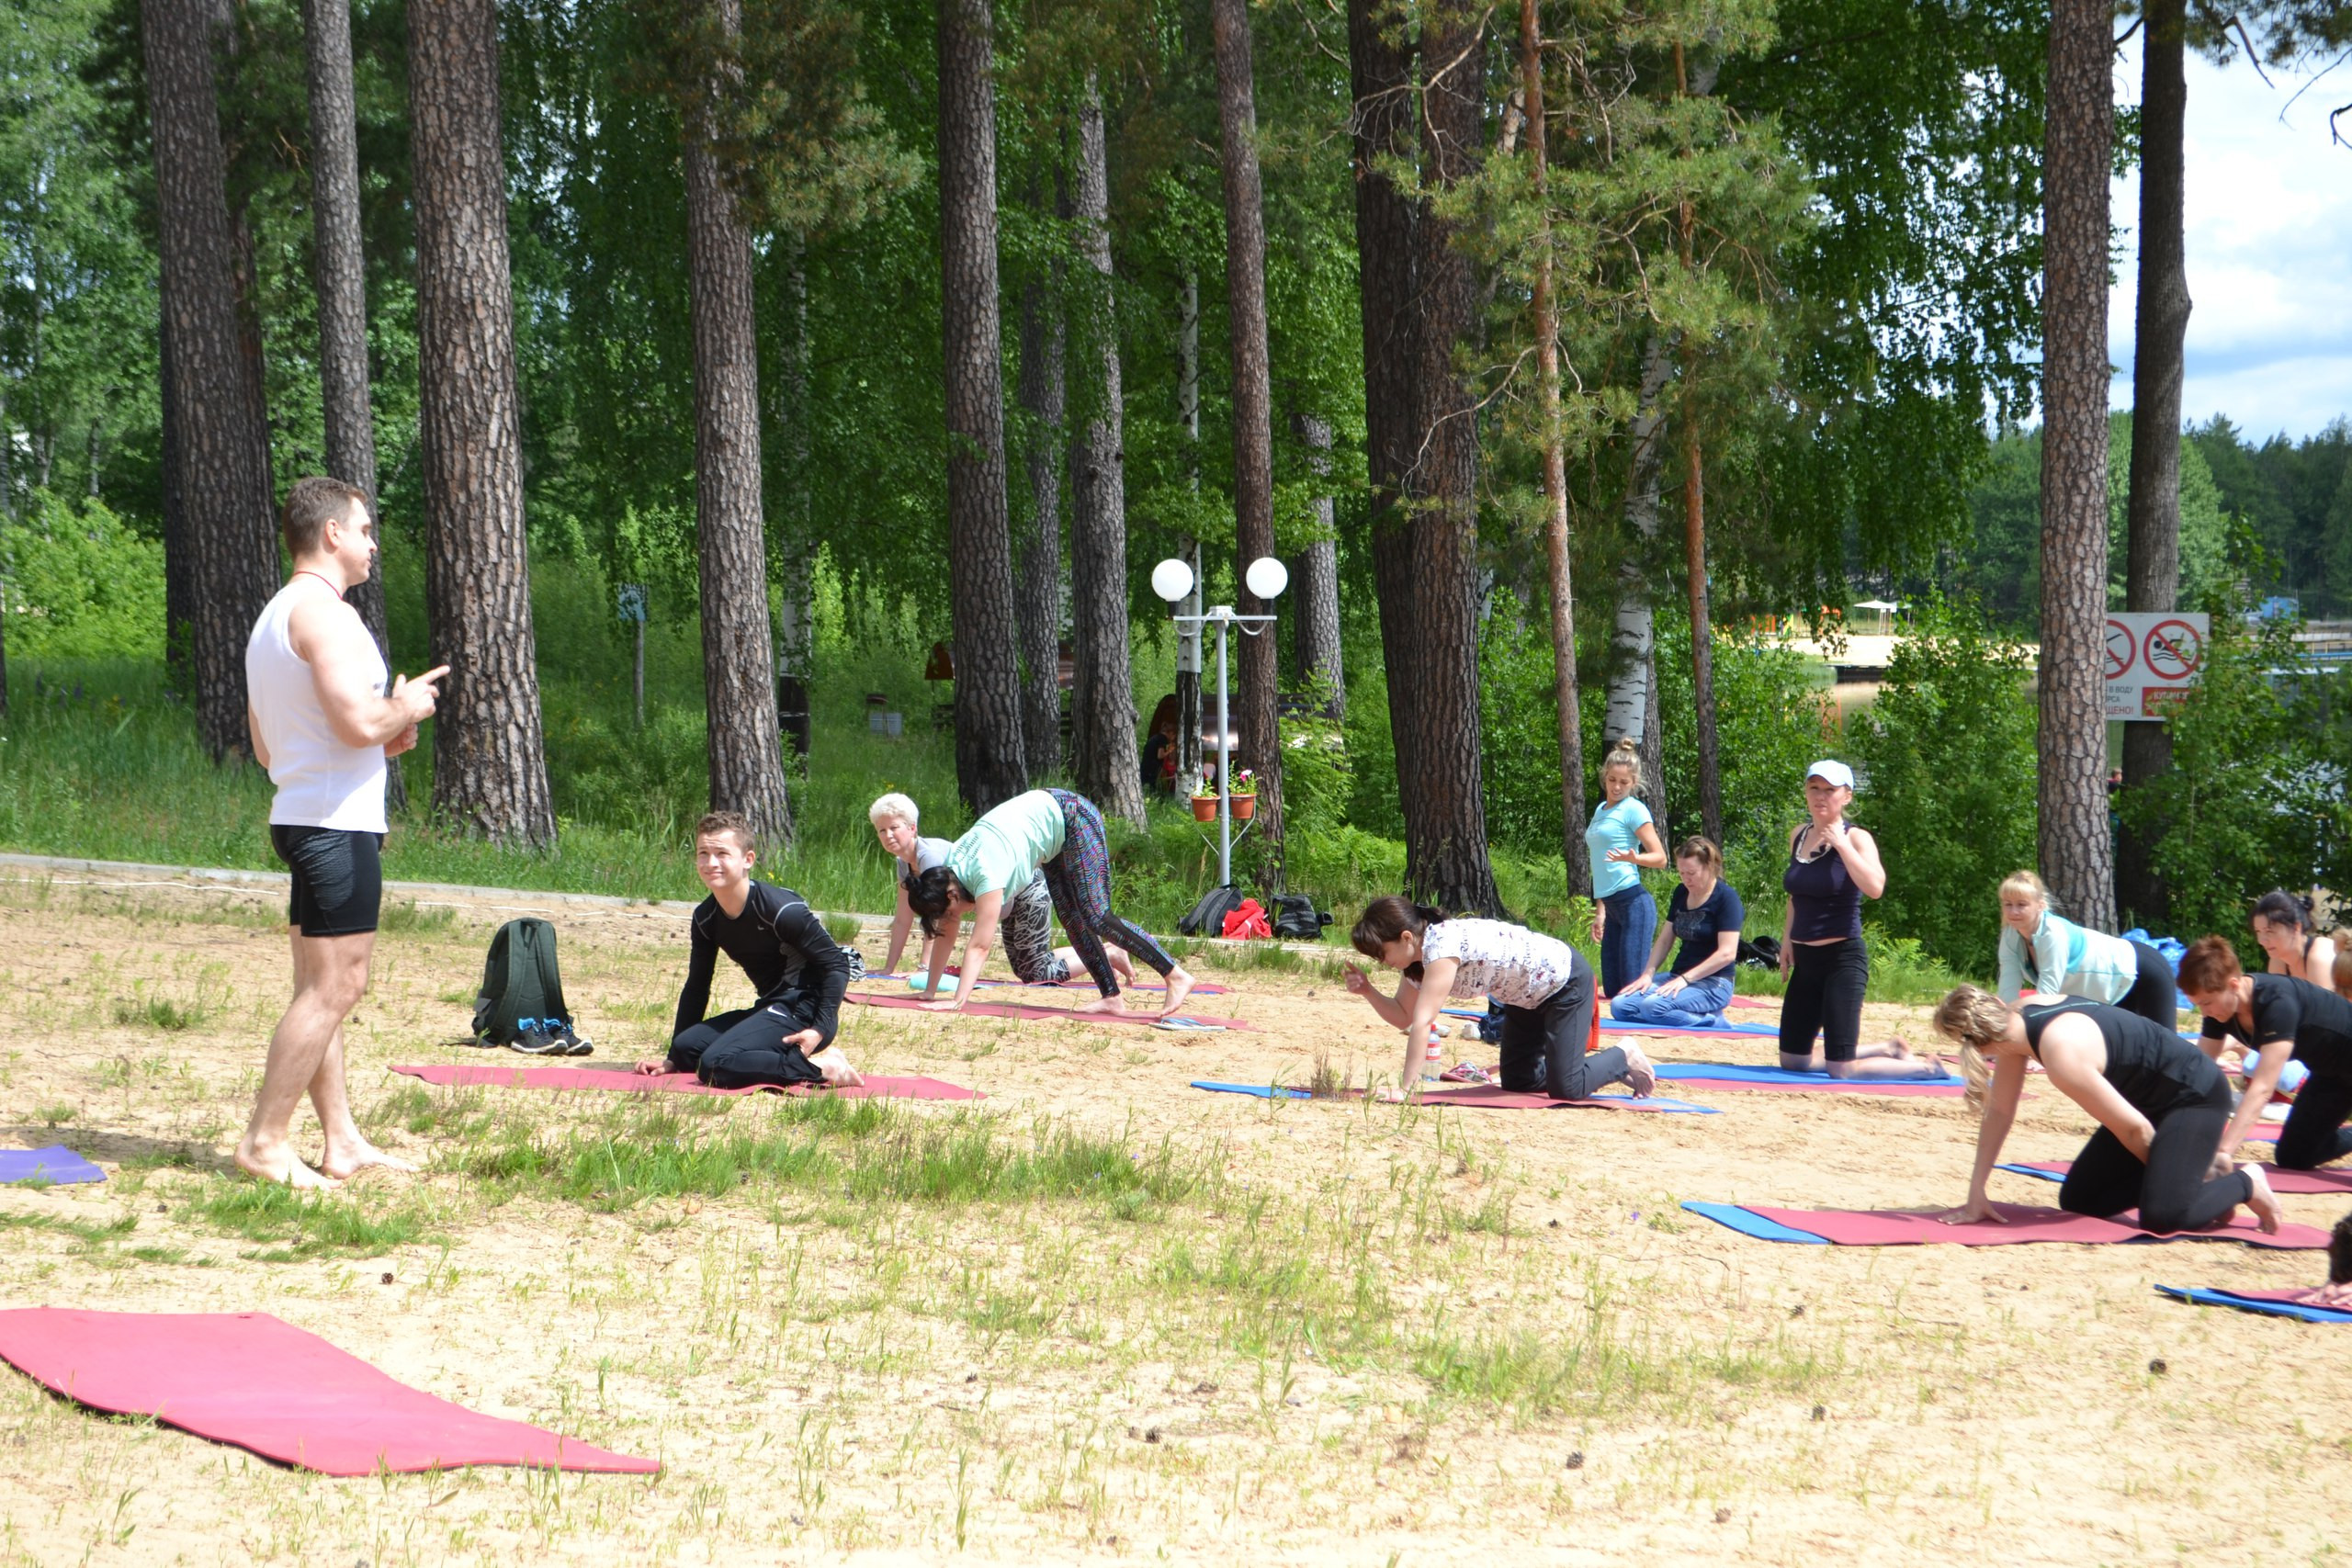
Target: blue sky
x: 2269, y: 232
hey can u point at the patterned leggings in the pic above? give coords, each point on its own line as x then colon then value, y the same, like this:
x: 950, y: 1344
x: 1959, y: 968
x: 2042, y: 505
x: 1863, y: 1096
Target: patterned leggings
x: 1079, y: 880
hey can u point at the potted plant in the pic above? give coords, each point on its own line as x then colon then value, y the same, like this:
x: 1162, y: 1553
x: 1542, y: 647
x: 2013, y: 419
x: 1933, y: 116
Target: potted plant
x: 1204, y: 804
x: 1245, y: 795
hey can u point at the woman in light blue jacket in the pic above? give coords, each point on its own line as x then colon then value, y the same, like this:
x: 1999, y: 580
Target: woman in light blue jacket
x: 2055, y: 957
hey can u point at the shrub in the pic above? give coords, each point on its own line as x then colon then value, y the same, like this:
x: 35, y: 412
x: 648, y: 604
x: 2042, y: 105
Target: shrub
x: 79, y: 583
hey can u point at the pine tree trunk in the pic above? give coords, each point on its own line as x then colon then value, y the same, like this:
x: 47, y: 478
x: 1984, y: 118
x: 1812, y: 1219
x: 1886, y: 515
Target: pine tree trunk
x: 488, y: 757
x: 338, y: 271
x: 1314, y: 581
x: 1634, y: 638
x: 1188, y: 549
x: 990, y: 763
x: 179, y: 564
x: 1556, y: 473
x: 738, y: 660
x: 1445, y: 812
x: 219, y: 466
x: 791, y: 539
x: 1037, y: 566
x: 1103, y: 698
x: 2151, y: 568
x: 2077, y: 857
x: 1258, y: 724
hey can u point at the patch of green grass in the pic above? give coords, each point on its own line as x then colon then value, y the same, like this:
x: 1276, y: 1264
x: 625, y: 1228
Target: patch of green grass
x: 304, y: 1225
x: 844, y: 929
x: 57, y: 1115
x: 406, y: 915
x: 161, y: 1012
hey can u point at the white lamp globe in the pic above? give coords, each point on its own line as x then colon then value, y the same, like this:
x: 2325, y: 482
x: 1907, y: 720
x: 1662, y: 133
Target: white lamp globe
x: 1267, y: 577
x: 1171, y: 580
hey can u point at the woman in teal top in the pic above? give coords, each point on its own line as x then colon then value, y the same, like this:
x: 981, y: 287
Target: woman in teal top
x: 1622, y: 839
x: 1056, y: 835
x: 2042, y: 953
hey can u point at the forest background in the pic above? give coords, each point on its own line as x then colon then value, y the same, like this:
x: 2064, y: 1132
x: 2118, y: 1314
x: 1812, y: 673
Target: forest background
x: 1797, y: 277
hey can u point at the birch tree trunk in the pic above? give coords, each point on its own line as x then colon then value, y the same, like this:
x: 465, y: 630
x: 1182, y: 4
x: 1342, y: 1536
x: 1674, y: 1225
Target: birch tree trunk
x: 2077, y: 857
x: 1633, y: 637
x: 1103, y: 698
x: 489, y: 753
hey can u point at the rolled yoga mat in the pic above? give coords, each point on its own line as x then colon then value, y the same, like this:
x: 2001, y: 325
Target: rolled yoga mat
x: 2336, y: 1180
x: 876, y: 1087
x: 1478, y: 1097
x: 1890, y: 1227
x: 2270, y: 1304
x: 1017, y: 1010
x: 57, y: 1165
x: 249, y: 1378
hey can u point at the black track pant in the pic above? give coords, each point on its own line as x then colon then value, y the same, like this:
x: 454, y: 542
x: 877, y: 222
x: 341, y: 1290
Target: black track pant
x: 740, y: 1050
x: 1543, y: 1047
x: 2153, y: 996
x: 1825, y: 985
x: 2314, y: 1134
x: 2171, y: 1190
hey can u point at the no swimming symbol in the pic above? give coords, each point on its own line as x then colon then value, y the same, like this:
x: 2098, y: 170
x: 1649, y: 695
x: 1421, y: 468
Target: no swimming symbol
x: 2174, y: 650
x: 2120, y: 648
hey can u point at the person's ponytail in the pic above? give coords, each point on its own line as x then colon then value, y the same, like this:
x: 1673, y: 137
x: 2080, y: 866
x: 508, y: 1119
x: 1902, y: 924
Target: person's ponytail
x: 1973, y: 1017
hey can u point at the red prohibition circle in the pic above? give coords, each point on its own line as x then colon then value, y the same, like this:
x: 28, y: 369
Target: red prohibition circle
x: 2120, y: 648
x: 2175, y: 649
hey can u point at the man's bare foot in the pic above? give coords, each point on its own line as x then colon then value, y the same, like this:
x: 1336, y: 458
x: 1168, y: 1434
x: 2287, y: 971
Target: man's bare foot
x: 1179, y: 985
x: 343, y: 1164
x: 838, y: 1073
x: 2262, y: 1201
x: 1640, y: 1076
x: 283, y: 1170
x: 1115, y: 1002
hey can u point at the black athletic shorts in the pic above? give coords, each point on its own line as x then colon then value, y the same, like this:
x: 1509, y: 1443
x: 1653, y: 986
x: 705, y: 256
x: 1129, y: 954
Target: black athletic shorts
x: 338, y: 878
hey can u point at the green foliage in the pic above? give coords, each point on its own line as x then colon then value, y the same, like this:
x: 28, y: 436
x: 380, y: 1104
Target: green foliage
x: 79, y: 584
x: 1945, y: 760
x: 307, y: 1224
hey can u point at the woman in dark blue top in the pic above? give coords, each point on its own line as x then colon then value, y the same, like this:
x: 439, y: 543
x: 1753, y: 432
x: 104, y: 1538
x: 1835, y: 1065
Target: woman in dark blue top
x: 1832, y: 868
x: 1706, y: 915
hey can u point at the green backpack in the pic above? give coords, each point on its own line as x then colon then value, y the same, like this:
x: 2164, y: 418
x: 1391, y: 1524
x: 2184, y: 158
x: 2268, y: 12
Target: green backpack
x: 521, y: 1002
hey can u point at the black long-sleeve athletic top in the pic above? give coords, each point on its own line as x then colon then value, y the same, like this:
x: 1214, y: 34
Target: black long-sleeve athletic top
x: 779, y: 942
x: 2286, y: 1006
x: 2152, y: 1069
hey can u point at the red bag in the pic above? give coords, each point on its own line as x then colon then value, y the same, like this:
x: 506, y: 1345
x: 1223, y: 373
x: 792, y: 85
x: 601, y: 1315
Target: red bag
x: 1248, y: 921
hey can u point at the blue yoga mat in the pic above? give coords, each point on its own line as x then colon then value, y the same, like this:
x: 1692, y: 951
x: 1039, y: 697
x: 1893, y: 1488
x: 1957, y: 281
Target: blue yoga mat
x: 2039, y: 1175
x: 1653, y: 1106
x: 2295, y: 1310
x: 56, y: 1164
x: 1263, y: 1090
x: 1750, y: 1224
x: 1612, y: 1026
x: 1735, y: 1072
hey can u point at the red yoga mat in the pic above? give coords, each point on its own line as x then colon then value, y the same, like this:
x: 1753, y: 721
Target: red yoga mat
x: 2334, y: 1180
x: 1755, y: 1001
x: 1890, y: 1227
x: 1487, y: 1097
x: 876, y: 1087
x: 248, y: 1379
x: 1016, y: 1010
x: 1200, y: 988
x: 1827, y: 1085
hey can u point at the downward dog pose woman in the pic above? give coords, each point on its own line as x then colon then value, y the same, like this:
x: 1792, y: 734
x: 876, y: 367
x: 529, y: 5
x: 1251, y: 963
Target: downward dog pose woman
x: 2160, y: 1104
x: 1621, y: 841
x: 1056, y: 835
x: 2279, y: 1018
x: 1028, y: 921
x: 2055, y: 957
x: 2282, y: 924
x: 801, y: 972
x: 1706, y: 914
x: 1544, y: 984
x: 1832, y: 868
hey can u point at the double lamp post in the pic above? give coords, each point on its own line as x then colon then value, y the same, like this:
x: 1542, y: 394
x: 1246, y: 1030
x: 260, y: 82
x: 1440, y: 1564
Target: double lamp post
x: 1172, y: 581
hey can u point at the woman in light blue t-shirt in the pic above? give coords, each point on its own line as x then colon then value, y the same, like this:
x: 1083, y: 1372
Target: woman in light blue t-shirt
x: 1621, y: 841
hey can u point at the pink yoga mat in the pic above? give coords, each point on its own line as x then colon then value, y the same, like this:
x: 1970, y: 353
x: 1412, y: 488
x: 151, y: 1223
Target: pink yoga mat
x: 876, y: 1085
x: 1076, y: 982
x: 1827, y: 1085
x: 1755, y: 1001
x: 2331, y: 1181
x: 248, y: 1379
x: 1889, y: 1227
x: 1016, y: 1010
x: 1487, y: 1097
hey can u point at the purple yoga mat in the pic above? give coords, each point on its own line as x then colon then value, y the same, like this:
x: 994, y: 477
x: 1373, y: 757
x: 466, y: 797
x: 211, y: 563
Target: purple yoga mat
x: 2337, y: 1180
x: 1890, y: 1227
x: 876, y: 1087
x: 56, y: 1164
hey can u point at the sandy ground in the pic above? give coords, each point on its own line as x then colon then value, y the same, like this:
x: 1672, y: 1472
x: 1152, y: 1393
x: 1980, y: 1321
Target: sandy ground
x: 1380, y: 1337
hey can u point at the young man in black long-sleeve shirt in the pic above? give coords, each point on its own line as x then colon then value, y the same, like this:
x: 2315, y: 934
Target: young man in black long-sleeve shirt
x: 786, y: 1036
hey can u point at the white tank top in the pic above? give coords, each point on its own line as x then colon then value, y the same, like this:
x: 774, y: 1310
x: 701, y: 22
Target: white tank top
x: 321, y: 782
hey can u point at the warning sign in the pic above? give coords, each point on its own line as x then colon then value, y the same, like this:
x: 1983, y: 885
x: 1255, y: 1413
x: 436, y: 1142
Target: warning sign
x: 2151, y: 660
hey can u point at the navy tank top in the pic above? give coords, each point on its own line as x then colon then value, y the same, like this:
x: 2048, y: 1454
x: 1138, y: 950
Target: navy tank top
x: 1823, y: 903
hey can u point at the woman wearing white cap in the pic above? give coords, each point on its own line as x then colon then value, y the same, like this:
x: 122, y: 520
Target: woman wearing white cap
x: 1832, y: 868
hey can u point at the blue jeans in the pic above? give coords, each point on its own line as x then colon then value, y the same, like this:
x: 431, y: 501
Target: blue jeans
x: 1699, y: 1005
x: 1628, y: 922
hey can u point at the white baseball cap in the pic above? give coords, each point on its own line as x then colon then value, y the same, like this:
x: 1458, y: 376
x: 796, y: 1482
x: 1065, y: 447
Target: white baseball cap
x: 1833, y: 772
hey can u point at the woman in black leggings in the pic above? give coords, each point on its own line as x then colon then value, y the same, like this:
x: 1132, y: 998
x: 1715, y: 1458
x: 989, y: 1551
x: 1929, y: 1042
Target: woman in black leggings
x: 1832, y: 868
x: 2160, y: 1104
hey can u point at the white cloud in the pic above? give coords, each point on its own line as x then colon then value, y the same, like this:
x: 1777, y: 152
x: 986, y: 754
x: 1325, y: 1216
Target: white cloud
x: 2269, y: 238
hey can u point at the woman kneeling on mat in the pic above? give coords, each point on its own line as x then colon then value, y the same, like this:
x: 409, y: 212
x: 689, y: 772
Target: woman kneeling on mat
x: 1706, y: 915
x: 799, y: 971
x: 2279, y: 1018
x: 1027, y: 921
x: 2054, y: 958
x: 2282, y: 924
x: 1052, y: 834
x: 2160, y: 1104
x: 1544, y: 984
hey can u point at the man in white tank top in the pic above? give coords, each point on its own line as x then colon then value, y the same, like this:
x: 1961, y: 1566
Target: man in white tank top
x: 323, y: 723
